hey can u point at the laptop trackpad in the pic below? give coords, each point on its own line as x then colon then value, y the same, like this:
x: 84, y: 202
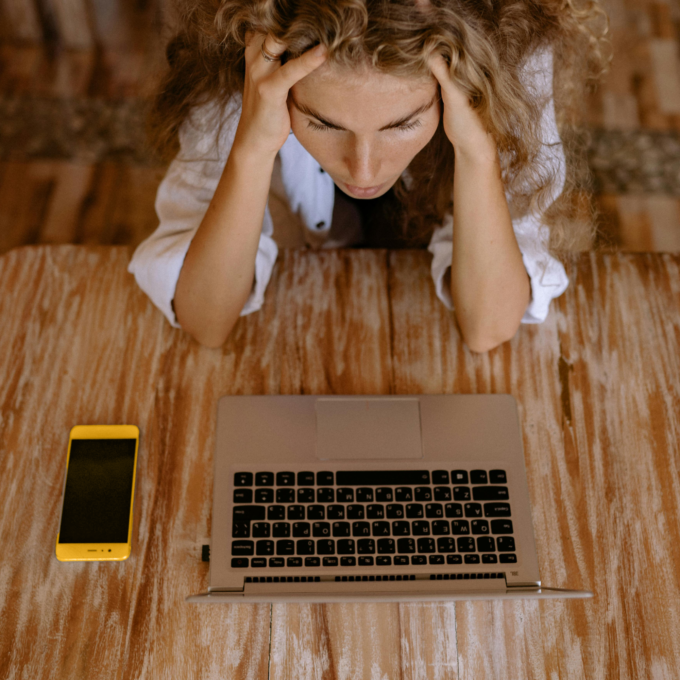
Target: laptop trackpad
x: 348, y: 429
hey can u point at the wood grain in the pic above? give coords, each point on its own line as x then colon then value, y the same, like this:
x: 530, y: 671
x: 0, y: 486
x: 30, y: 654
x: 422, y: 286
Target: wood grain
x: 599, y: 401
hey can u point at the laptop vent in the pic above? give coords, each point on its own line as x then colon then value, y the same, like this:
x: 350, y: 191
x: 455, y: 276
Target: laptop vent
x: 372, y: 577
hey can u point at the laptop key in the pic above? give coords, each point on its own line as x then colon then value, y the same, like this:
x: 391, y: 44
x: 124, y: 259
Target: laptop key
x: 375, y: 511
x: 506, y: 544
x: 501, y: 526
x: 403, y: 494
x: 264, y: 548
x: 330, y: 561
x: 383, y: 560
x: 381, y: 528
x: 281, y: 530
x: 406, y: 545
x: 423, y: 493
x: 453, y: 510
x: 365, y: 561
x: 345, y: 495
x: 304, y: 548
x: 244, y: 513
x: 340, y: 529
x: 426, y: 545
x: 394, y: 511
x: 418, y: 559
x: 242, y: 547
x: 301, y: 529
x: 305, y: 479
x: 240, y: 530
x: 433, y: 510
x: 264, y: 479
x: 315, y: 512
x: 420, y: 528
x: 285, y: 547
x: 442, y: 493
x: 401, y: 528
x: 243, y: 495
x: 325, y: 547
x: 414, y: 510
x: 361, y: 529
x: 440, y: 477
x: 498, y: 477
x: 400, y: 560
x: 243, y: 479
x: 346, y: 546
x: 325, y: 495
x: 365, y: 495
x: 294, y: 562
x: 436, y: 559
x: 386, y: 546
x: 258, y: 562
x: 473, y: 510
x: 285, y: 495
x: 508, y: 559
x: 459, y: 477
x: 496, y: 509
x: 239, y: 562
x: 335, y: 512
x: 312, y: 562
x: 305, y: 495
x: 440, y: 527
x: 285, y: 479
x: 486, y: 544
x: 466, y: 544
x: 478, y: 477
x: 355, y: 512
x: 460, y: 527
x: 461, y: 493
x: 479, y: 526
x: 446, y: 545
x: 454, y: 559
x: 261, y: 529
x: 348, y: 561
x: 275, y: 512
x: 276, y: 562
x: 321, y: 529
x: 264, y: 496
x: 490, y: 493
x: 296, y: 512
x: 325, y: 478
x: 384, y: 494
x: 365, y: 545
x: 489, y: 559
x: 471, y: 559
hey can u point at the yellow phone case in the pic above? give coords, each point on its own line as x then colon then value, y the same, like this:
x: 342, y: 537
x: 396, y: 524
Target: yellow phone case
x: 77, y: 552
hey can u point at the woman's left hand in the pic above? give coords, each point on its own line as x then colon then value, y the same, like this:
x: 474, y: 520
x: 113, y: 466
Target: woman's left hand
x: 462, y: 124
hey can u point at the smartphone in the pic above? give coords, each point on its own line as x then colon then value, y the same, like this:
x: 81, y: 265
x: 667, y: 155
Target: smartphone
x: 99, y: 489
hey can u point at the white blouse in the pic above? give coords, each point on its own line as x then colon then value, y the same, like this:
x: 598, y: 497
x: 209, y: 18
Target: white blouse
x: 191, y: 180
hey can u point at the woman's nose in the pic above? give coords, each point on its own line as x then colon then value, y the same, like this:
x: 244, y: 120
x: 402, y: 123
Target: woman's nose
x: 363, y: 162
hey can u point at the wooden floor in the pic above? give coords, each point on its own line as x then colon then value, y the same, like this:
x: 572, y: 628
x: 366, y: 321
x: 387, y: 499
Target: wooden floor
x: 75, y: 200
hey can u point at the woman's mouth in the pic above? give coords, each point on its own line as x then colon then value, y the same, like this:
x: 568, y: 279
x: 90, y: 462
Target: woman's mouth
x: 363, y: 192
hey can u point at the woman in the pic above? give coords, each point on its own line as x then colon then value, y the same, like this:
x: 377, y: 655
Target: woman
x: 444, y: 105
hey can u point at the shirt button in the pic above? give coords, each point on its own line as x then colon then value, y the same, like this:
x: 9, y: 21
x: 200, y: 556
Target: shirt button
x: 321, y: 170
x: 320, y: 225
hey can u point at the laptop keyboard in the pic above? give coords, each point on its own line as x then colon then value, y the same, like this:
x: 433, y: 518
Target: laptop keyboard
x: 370, y: 518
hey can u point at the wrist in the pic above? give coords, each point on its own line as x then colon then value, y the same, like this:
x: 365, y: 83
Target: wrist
x: 480, y: 152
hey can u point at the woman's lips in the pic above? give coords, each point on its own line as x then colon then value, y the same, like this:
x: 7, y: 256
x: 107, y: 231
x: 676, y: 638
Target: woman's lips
x: 363, y: 192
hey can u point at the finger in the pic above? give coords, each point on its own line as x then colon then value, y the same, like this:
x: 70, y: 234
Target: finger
x: 440, y: 69
x: 274, y: 46
x: 296, y: 69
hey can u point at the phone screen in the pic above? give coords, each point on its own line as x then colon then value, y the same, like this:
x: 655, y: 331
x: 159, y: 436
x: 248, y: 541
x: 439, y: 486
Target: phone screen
x: 98, y: 491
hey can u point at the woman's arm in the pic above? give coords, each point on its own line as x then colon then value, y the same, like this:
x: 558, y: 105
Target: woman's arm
x: 217, y: 275
x: 490, y: 286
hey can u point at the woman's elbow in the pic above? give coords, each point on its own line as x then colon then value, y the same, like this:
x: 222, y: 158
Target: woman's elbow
x: 482, y: 341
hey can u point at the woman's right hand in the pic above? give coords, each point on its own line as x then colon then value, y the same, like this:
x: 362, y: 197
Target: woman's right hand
x: 264, y: 125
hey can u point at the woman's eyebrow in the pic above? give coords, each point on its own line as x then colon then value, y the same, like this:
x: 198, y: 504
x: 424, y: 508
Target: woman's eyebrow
x: 397, y: 123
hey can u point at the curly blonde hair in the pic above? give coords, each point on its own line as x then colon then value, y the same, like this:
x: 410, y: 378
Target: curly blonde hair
x: 486, y: 43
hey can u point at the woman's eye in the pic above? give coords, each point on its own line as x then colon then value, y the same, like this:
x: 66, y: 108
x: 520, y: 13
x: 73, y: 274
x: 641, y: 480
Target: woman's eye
x: 317, y: 126
x: 410, y: 126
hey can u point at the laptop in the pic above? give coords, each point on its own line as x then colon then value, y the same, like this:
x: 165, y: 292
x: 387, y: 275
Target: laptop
x: 371, y: 498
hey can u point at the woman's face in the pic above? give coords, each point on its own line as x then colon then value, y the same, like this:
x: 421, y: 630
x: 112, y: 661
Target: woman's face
x: 363, y: 128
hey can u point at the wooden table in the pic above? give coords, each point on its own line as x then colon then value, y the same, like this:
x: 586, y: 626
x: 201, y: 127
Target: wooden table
x: 599, y: 398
